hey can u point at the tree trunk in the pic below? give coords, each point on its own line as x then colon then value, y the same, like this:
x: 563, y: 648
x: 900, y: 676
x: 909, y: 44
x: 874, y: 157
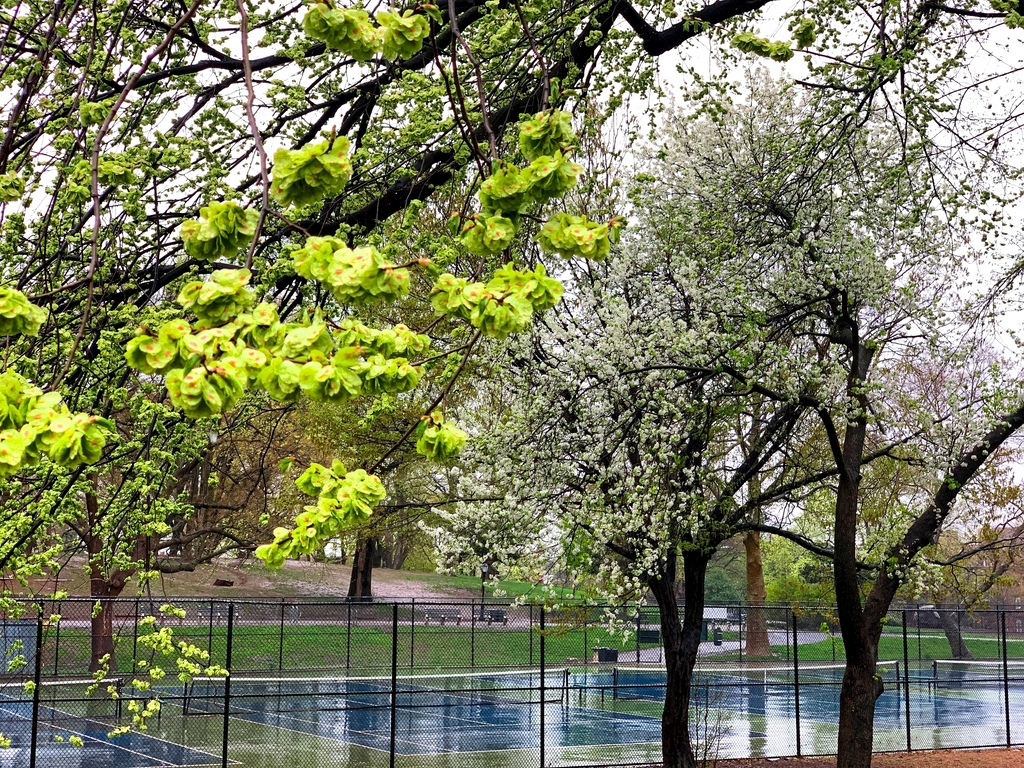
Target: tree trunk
x: 359, y: 585
x: 861, y: 689
x: 950, y: 621
x: 757, y: 622
x: 861, y: 629
x: 681, y: 641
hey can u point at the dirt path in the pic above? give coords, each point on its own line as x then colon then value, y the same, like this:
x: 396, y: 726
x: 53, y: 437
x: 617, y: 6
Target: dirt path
x: 978, y: 758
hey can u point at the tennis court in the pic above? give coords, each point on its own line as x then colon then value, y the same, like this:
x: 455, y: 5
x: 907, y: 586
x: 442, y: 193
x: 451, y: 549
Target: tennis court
x: 595, y: 714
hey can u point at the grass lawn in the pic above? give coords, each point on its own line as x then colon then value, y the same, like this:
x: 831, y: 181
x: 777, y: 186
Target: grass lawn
x: 928, y: 647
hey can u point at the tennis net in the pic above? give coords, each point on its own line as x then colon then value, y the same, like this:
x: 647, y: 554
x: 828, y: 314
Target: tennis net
x: 320, y: 694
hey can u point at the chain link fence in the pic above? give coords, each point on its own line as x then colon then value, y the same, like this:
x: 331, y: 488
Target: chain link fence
x: 426, y: 683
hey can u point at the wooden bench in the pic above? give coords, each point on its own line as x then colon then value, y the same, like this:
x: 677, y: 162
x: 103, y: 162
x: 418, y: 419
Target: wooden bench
x: 441, y: 615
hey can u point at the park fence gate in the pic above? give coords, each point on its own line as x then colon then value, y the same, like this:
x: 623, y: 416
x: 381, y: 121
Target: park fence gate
x: 418, y: 684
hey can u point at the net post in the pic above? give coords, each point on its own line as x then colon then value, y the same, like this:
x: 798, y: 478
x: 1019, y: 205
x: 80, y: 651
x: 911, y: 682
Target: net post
x: 227, y: 682
x: 543, y: 671
x: 1006, y: 678
x: 394, y: 681
x: 37, y: 675
x: 796, y: 682
x: 906, y: 678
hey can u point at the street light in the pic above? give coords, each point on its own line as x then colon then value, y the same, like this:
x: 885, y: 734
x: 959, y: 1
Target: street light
x: 483, y: 583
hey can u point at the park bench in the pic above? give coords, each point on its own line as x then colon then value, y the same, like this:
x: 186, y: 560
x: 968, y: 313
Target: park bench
x: 493, y: 616
x: 649, y: 636
x: 441, y: 615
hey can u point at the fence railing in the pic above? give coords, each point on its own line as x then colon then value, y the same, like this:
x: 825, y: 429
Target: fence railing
x: 421, y: 683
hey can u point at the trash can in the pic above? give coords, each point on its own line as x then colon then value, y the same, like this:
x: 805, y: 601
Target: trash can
x: 12, y: 631
x: 718, y: 636
x: 605, y: 654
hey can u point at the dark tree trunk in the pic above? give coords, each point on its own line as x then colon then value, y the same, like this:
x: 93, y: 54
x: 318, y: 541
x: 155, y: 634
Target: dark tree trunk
x: 861, y: 689
x: 681, y: 641
x: 757, y: 625
x: 860, y: 633
x: 950, y: 621
x: 360, y: 583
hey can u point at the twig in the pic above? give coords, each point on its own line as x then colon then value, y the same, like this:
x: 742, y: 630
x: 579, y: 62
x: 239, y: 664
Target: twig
x: 255, y: 129
x: 95, y: 162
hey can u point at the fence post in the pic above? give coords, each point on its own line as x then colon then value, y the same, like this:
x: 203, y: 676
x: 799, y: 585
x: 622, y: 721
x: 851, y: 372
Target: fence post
x: 394, y: 680
x: 739, y: 633
x: 906, y: 677
x: 531, y: 635
x: 36, y: 677
x: 412, y: 635
x: 135, y: 638
x: 1006, y: 678
x: 472, y: 633
x: 348, y: 637
x: 796, y: 683
x: 543, y: 695
x: 56, y: 644
x: 227, y: 682
x: 638, y: 633
x: 280, y: 641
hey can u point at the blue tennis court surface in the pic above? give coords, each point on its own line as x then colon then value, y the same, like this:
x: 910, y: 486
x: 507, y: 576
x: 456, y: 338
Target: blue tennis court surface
x: 98, y: 750
x: 588, y: 714
x: 499, y: 712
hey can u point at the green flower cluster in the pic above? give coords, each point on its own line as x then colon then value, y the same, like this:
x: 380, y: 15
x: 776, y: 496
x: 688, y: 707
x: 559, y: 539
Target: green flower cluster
x: 33, y: 423
x: 546, y: 139
x: 220, y: 298
x: 504, y: 305
x: 18, y: 315
x: 546, y: 133
x: 748, y: 42
x: 439, y: 440
x: 311, y: 173
x: 12, y: 187
x: 355, y: 275
x: 350, y: 31
x: 221, y: 231
x: 210, y: 366
x: 343, y: 499
x: 804, y: 30
x: 570, y: 236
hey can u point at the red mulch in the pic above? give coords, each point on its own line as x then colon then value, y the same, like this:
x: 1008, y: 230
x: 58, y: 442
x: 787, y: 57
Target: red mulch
x: 949, y: 758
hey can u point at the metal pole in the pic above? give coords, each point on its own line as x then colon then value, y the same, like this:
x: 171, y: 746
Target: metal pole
x: 394, y: 680
x: 209, y: 634
x: 638, y: 633
x: 280, y: 641
x: 919, y: 633
x: 472, y: 633
x: 1006, y: 679
x: 412, y: 634
x: 531, y: 635
x: 740, y: 633
x: 227, y: 682
x: 796, y: 684
x: 56, y: 641
x: 135, y: 638
x: 906, y: 677
x: 543, y: 671
x: 36, y: 677
x: 348, y: 637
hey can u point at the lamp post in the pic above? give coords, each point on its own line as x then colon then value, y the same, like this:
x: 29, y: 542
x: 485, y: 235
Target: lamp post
x: 483, y: 584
